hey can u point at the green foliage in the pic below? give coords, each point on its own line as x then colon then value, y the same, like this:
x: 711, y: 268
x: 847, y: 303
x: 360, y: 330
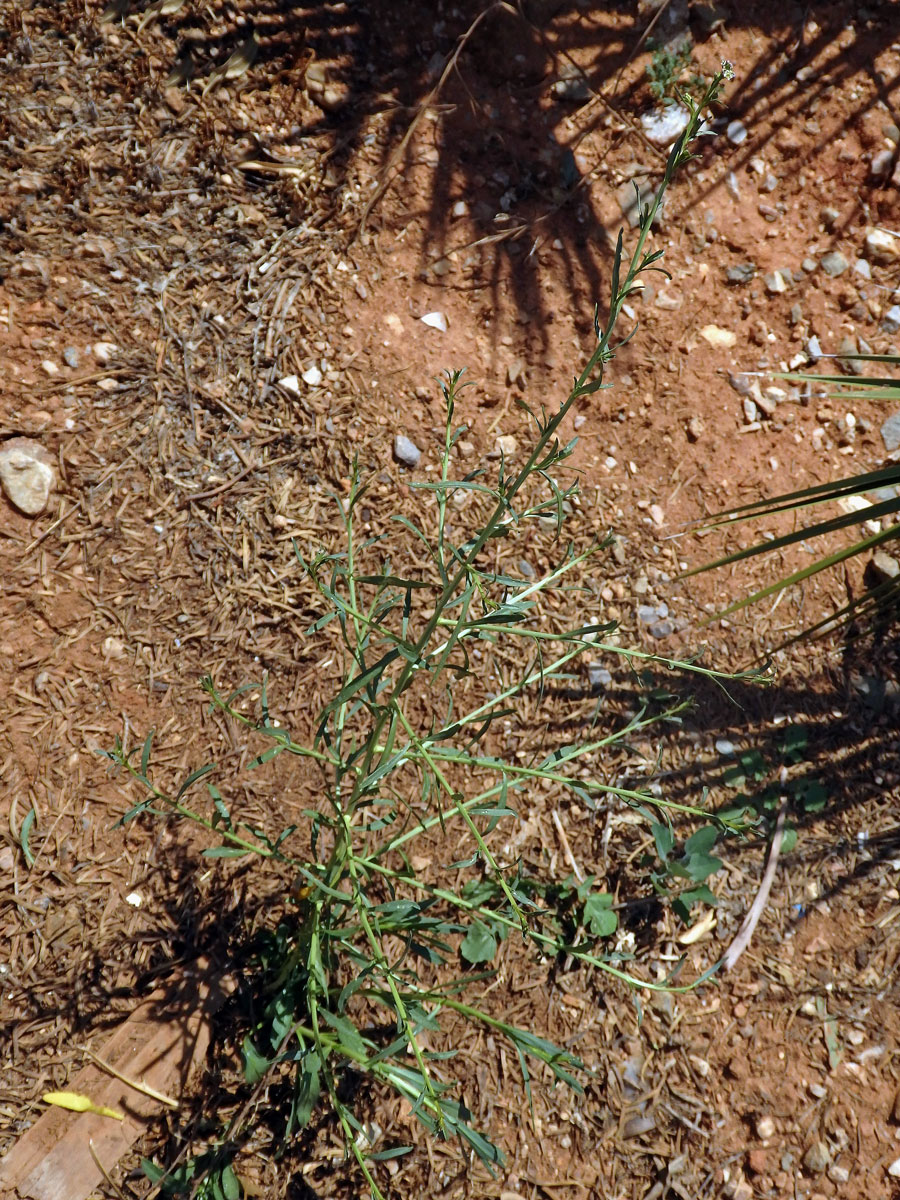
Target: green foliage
x: 870, y: 499
x: 672, y: 68
x: 402, y: 759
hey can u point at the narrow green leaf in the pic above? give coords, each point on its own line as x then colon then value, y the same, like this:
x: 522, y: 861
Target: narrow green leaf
x: 25, y: 834
x: 193, y: 777
x: 145, y: 753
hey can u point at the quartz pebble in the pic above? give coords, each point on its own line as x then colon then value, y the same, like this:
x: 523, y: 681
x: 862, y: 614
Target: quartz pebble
x: 882, y: 247
x: 718, y: 337
x: 765, y: 1128
x: 27, y: 474
x: 406, y: 452
x: 663, y: 125
x: 435, y: 320
x: 736, y: 133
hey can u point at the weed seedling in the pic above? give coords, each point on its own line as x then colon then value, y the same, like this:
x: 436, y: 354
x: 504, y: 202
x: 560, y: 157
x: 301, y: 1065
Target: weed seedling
x: 354, y: 982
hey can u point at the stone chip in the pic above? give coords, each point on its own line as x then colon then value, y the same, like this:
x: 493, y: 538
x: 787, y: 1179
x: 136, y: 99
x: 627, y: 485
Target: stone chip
x: 27, y: 474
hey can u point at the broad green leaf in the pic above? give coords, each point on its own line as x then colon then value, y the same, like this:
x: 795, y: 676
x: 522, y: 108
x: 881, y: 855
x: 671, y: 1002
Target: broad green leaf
x: 253, y: 1063
x: 479, y: 945
x: 598, y: 914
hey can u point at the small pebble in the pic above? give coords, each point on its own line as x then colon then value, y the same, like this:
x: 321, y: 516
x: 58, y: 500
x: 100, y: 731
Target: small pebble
x: 750, y: 410
x: 291, y: 384
x: 637, y: 1126
x: 775, y: 283
x: 882, y: 247
x: 834, y: 264
x: 736, y: 133
x: 695, y: 429
x: 50, y: 367
x: 880, y: 166
x: 406, y: 453
x: 817, y: 1157
x: 70, y: 357
x: 813, y: 348
x: 862, y: 268
x: 661, y: 629
x: 742, y: 384
x: 731, y: 186
x: 894, y: 1169
x: 579, y: 421
x: 830, y: 217
x: 312, y: 376
x: 765, y: 1128
x: 724, y: 747
x: 435, y: 320
x: 742, y: 273
x: 598, y: 676
x: 809, y: 265
x: 104, y: 352
x: 890, y: 322
x: 507, y: 444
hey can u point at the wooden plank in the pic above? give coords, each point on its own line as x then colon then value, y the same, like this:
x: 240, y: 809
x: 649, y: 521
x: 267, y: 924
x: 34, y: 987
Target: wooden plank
x: 159, y: 1044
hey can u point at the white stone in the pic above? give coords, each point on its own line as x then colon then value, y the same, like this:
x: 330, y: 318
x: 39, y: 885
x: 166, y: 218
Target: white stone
x: 716, y: 336
x: 104, y: 351
x: 436, y: 320
x: 882, y: 247
x: 113, y: 647
x: 894, y: 1169
x: 290, y: 383
x: 26, y: 474
x: 765, y: 1128
x: 312, y: 375
x: 663, y: 125
x: 507, y: 444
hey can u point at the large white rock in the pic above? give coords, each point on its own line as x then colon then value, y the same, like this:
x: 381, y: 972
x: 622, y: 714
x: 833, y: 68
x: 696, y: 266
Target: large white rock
x: 883, y: 247
x: 663, y: 125
x: 26, y: 474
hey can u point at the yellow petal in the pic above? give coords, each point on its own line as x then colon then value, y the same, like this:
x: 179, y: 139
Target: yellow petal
x: 79, y: 1103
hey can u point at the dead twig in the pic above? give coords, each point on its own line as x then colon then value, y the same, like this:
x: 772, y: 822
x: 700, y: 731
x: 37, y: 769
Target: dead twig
x: 745, y: 933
